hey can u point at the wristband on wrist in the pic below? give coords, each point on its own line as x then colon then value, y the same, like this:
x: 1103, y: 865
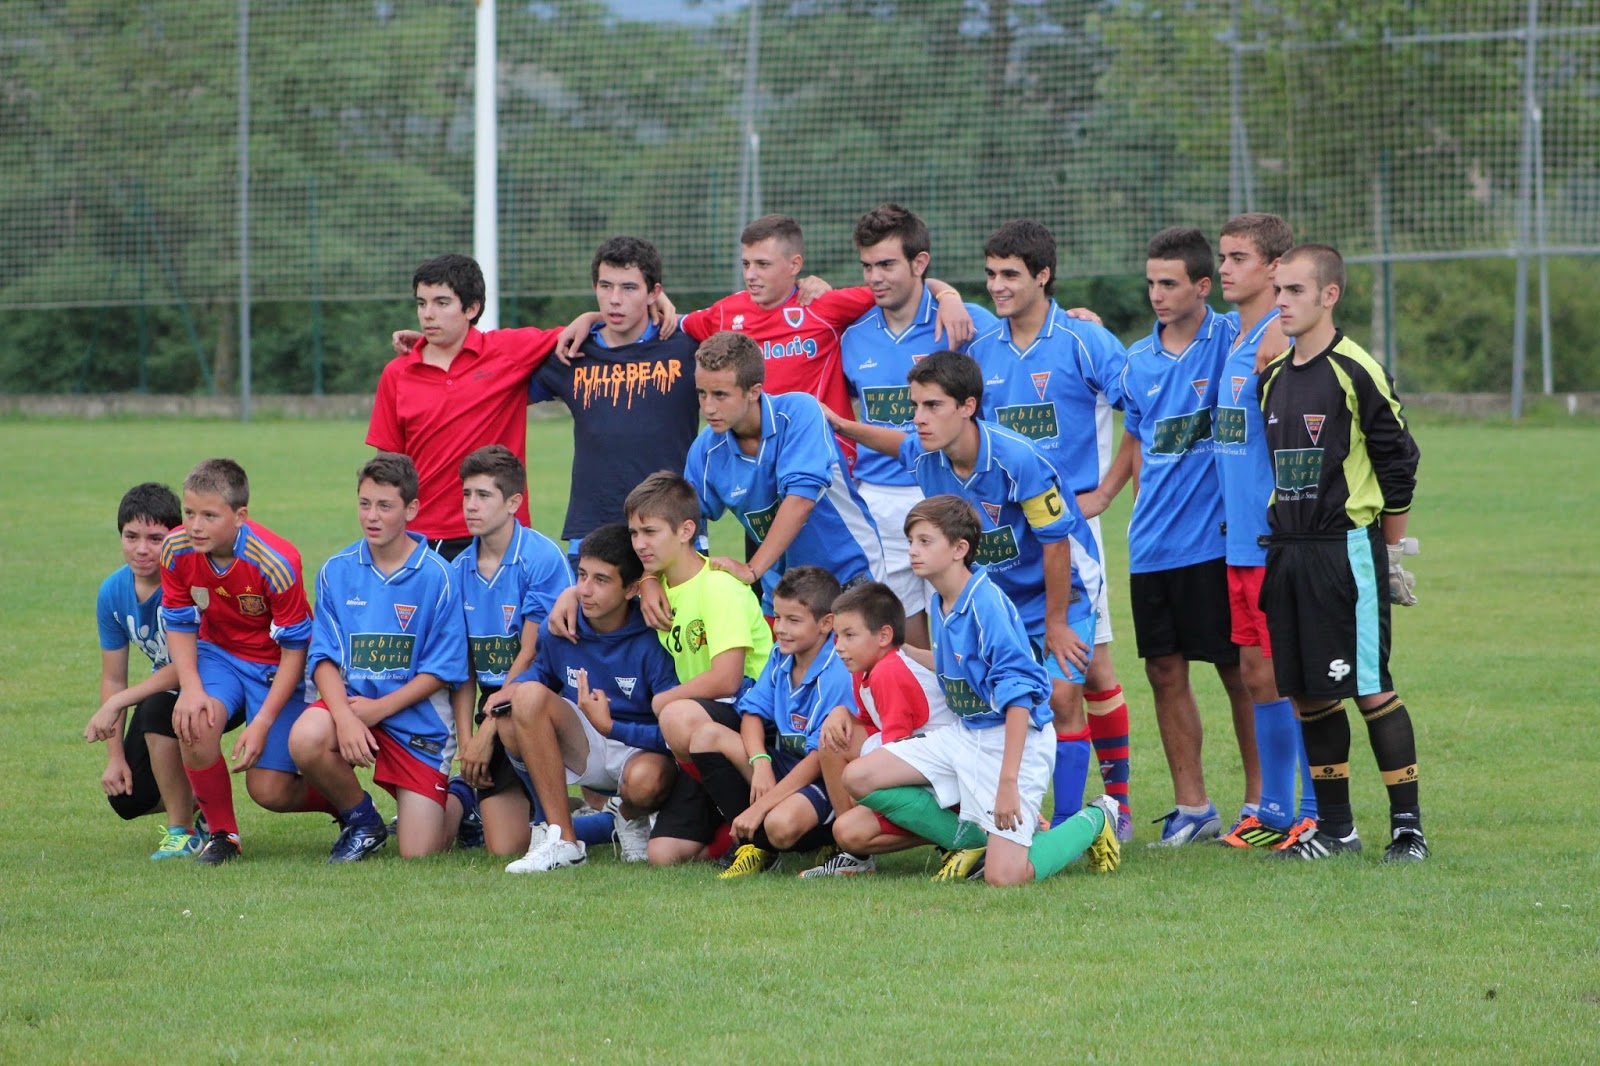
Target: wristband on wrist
x: 649, y: 577
x: 762, y: 755
x: 947, y: 292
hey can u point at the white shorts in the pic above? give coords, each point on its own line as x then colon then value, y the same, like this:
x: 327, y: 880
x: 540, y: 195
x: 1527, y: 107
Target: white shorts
x: 889, y: 505
x: 607, y: 758
x: 1102, y: 626
x: 871, y: 744
x: 963, y: 766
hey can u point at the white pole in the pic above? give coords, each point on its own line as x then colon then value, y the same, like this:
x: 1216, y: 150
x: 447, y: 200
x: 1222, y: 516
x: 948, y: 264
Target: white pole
x: 244, y: 210
x: 485, y: 189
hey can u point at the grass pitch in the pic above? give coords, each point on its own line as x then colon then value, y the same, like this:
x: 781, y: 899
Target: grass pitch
x: 1489, y: 949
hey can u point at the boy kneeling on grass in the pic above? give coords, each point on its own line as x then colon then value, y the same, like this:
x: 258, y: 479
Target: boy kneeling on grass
x: 763, y: 777
x: 996, y: 763
x: 896, y: 697
x: 388, y: 643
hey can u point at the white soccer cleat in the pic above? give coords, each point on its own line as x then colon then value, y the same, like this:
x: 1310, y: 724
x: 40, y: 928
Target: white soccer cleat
x: 633, y: 835
x: 523, y: 865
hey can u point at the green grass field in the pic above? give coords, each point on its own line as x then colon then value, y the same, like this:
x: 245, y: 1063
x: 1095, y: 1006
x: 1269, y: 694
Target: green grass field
x: 1490, y: 950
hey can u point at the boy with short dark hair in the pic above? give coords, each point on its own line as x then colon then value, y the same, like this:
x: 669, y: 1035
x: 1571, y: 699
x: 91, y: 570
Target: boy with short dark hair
x: 237, y: 628
x: 583, y: 714
x: 996, y: 763
x: 763, y: 776
x: 144, y: 771
x: 387, y: 643
x: 510, y: 577
x: 895, y: 697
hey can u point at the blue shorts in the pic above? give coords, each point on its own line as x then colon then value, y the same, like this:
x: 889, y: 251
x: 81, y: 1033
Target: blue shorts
x: 243, y: 685
x: 815, y: 793
x: 1084, y: 627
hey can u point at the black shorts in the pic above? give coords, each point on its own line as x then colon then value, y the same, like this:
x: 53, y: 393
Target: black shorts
x: 450, y: 547
x: 1184, y: 611
x: 153, y: 714
x: 689, y: 813
x: 502, y: 775
x: 1326, y: 598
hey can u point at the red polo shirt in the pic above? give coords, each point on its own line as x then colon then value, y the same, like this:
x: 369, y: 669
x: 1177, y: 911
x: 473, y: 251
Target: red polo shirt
x: 439, y: 416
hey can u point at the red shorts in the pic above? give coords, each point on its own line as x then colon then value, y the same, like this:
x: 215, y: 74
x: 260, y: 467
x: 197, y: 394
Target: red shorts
x: 397, y: 768
x: 1244, y: 604
x: 890, y: 828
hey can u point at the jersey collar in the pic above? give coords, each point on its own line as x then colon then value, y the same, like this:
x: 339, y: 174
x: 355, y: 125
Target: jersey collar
x: 1203, y: 335
x: 963, y: 602
x: 595, y: 333
x: 927, y: 311
x: 419, y: 547
x: 1045, y: 330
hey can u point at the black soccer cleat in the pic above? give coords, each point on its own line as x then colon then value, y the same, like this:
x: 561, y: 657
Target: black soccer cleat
x: 219, y: 848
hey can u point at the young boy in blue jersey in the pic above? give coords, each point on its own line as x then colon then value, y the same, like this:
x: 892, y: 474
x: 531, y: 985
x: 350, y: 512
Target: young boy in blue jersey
x: 387, y: 644
x: 144, y: 771
x: 1035, y: 545
x: 995, y: 764
x: 772, y: 462
x: 1176, y: 548
x: 583, y: 714
x: 1250, y: 247
x: 877, y: 351
x: 1053, y: 378
x: 766, y: 777
x: 510, y: 577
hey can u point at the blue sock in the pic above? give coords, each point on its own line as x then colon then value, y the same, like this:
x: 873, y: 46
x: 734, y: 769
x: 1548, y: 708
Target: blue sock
x: 594, y: 828
x: 1073, y: 753
x: 363, y: 813
x: 1308, y: 793
x: 520, y: 768
x: 1279, y: 747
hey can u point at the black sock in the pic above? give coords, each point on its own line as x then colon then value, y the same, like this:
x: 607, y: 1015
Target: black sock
x: 1326, y: 731
x: 1394, y: 744
x: 726, y: 786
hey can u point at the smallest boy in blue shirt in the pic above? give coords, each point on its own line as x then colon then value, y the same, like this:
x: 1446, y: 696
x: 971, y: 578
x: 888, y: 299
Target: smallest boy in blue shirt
x: 996, y: 763
x: 387, y: 644
x: 765, y: 779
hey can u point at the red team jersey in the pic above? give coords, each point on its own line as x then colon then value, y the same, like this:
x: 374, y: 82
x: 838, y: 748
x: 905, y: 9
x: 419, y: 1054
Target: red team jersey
x: 252, y: 609
x: 438, y: 417
x: 897, y: 697
x: 801, y: 344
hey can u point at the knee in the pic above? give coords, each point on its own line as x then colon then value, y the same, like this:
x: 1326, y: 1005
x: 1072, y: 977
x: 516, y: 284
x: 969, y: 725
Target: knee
x: 1166, y: 671
x: 272, y: 790
x: 647, y: 781
x: 855, y: 829
x: 788, y: 824
x: 528, y: 702
x: 857, y: 778
x: 671, y: 851
x: 311, y: 735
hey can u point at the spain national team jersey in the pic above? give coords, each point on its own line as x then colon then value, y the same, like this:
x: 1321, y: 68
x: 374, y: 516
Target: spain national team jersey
x: 798, y: 456
x: 876, y: 361
x: 629, y: 664
x: 797, y: 711
x: 898, y: 697
x: 250, y: 608
x: 1168, y: 400
x: 800, y: 344
x: 523, y: 588
x: 382, y: 630
x: 1244, y: 463
x: 984, y: 658
x: 1058, y: 392
x: 714, y: 612
x: 124, y: 619
x: 1019, y: 500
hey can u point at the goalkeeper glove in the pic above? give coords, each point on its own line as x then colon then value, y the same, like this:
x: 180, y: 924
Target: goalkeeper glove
x: 1402, y: 584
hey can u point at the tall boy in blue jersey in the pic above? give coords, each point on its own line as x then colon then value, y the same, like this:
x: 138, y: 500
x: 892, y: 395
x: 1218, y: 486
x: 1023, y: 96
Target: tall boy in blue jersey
x: 387, y: 644
x: 1054, y: 379
x: 772, y: 462
x: 583, y: 713
x: 878, y: 350
x: 1344, y: 470
x: 1176, y: 551
x: 1249, y: 249
x: 996, y: 762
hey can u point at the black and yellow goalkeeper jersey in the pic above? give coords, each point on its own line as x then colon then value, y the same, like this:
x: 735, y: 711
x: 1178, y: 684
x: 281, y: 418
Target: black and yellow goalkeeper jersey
x: 1341, y: 452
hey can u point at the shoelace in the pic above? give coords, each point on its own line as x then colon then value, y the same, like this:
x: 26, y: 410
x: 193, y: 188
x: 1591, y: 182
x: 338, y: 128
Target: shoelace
x: 176, y: 840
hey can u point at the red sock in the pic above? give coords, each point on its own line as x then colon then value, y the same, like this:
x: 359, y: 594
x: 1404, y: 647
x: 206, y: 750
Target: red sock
x: 689, y: 768
x: 213, y: 792
x: 1108, y: 729
x: 316, y: 803
x: 721, y: 843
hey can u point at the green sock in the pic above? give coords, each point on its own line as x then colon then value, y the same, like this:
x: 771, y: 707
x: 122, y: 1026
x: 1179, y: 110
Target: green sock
x: 1055, y: 848
x: 915, y: 808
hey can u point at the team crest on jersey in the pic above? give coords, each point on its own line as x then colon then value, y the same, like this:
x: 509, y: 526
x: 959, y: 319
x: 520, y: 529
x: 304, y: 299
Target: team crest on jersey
x: 403, y: 613
x: 1200, y: 387
x: 252, y: 604
x: 738, y: 322
x: 508, y: 611
x: 1238, y: 387
x: 1041, y: 382
x: 625, y: 685
x: 915, y: 359
x: 798, y: 722
x: 794, y: 316
x: 1314, y: 426
x: 993, y: 511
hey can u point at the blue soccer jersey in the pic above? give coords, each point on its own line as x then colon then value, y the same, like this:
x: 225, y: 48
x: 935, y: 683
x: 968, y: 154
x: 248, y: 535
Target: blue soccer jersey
x: 876, y: 362
x: 798, y: 456
x: 984, y: 658
x: 531, y: 575
x: 125, y: 619
x: 628, y: 664
x: 798, y: 711
x: 1058, y: 392
x: 1020, y: 502
x: 1167, y: 403
x: 381, y: 630
x: 1244, y: 463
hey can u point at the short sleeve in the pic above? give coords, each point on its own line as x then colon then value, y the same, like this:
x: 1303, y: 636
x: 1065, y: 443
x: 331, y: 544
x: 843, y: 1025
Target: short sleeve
x: 113, y: 632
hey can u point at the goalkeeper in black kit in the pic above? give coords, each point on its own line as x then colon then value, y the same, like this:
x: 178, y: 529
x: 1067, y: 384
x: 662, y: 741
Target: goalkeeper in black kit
x: 1344, y: 468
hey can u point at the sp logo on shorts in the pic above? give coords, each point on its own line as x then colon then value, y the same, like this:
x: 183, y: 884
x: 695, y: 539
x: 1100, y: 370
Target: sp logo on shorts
x: 251, y: 604
x: 424, y: 745
x: 1338, y: 670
